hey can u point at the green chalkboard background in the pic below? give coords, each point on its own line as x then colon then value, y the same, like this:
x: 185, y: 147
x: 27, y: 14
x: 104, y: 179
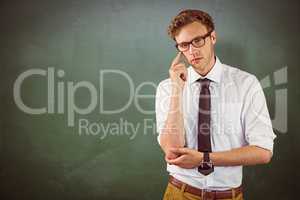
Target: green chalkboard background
x: 41, y: 157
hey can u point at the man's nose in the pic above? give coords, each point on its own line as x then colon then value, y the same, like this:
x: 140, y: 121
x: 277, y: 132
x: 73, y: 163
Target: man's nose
x: 191, y: 49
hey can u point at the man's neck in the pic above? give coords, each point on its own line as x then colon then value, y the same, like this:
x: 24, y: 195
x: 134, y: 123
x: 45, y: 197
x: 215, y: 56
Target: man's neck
x: 207, y: 69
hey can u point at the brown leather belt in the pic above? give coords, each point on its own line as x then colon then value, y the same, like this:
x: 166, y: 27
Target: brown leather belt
x: 205, y: 193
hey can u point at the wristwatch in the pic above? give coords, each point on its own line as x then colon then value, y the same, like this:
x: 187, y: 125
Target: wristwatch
x: 206, y: 162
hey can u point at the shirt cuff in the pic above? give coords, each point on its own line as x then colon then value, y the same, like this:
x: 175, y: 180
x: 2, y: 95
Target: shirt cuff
x: 264, y: 143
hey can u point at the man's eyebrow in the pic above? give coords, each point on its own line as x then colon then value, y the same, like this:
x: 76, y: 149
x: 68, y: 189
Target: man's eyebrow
x: 191, y: 39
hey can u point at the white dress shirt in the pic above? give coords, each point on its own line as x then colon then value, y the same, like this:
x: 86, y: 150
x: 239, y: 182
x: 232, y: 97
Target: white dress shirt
x: 239, y: 117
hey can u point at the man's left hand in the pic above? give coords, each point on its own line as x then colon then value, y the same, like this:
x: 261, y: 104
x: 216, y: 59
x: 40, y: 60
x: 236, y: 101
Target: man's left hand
x: 187, y: 158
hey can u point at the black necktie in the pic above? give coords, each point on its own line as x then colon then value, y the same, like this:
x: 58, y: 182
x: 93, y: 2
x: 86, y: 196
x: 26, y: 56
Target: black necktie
x: 204, y: 143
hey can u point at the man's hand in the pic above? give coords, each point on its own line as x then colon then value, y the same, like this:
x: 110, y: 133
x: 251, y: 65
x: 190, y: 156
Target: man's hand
x: 185, y: 157
x: 178, y: 72
x: 170, y: 155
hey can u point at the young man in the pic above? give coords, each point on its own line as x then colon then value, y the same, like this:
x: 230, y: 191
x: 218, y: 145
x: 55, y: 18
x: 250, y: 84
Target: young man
x: 211, y: 118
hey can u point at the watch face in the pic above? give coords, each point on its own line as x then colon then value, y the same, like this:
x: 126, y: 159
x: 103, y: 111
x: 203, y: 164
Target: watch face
x: 206, y: 165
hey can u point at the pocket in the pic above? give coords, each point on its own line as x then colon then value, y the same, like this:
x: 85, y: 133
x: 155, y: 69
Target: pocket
x: 172, y: 193
x: 240, y: 197
x: 167, y: 195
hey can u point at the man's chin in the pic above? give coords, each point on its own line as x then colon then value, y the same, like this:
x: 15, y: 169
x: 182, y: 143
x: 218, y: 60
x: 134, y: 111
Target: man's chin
x: 198, y: 66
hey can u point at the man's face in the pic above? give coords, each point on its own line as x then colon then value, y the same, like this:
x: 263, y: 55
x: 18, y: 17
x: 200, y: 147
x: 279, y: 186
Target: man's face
x: 202, y: 59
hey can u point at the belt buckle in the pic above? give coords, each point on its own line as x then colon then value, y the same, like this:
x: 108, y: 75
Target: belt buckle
x: 205, y: 194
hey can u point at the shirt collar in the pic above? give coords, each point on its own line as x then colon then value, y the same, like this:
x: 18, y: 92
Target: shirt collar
x: 214, y: 74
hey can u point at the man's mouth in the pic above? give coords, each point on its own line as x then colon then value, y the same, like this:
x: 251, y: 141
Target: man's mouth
x: 196, y: 60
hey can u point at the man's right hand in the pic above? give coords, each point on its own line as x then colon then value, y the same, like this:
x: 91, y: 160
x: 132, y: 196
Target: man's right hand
x: 178, y: 72
x: 170, y: 155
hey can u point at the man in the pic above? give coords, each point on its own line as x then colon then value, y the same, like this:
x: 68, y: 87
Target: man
x: 212, y: 118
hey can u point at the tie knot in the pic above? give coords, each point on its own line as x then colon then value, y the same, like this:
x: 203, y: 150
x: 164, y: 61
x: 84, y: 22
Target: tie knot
x: 204, y: 82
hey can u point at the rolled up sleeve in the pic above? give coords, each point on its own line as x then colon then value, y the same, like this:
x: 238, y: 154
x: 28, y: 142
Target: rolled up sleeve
x: 256, y: 119
x: 162, y: 102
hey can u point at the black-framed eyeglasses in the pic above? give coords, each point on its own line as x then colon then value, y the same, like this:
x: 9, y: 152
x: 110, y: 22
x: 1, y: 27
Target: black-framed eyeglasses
x: 197, y: 42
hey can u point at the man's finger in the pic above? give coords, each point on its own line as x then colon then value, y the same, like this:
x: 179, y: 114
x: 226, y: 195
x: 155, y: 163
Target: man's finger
x: 176, y: 59
x: 175, y: 161
x: 178, y: 66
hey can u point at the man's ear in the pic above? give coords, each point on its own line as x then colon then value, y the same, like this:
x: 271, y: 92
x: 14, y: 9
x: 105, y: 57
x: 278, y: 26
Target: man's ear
x: 213, y: 37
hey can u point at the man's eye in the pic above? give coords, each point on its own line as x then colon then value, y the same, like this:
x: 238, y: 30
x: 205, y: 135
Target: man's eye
x: 197, y: 40
x: 184, y: 45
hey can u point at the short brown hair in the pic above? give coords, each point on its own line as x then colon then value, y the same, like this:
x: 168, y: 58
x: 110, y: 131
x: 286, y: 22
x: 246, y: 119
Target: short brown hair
x: 188, y: 16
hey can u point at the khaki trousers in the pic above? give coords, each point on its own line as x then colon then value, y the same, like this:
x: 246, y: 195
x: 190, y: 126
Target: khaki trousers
x: 173, y: 193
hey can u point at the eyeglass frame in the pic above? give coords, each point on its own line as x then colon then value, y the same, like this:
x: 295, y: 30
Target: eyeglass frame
x: 203, y: 37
